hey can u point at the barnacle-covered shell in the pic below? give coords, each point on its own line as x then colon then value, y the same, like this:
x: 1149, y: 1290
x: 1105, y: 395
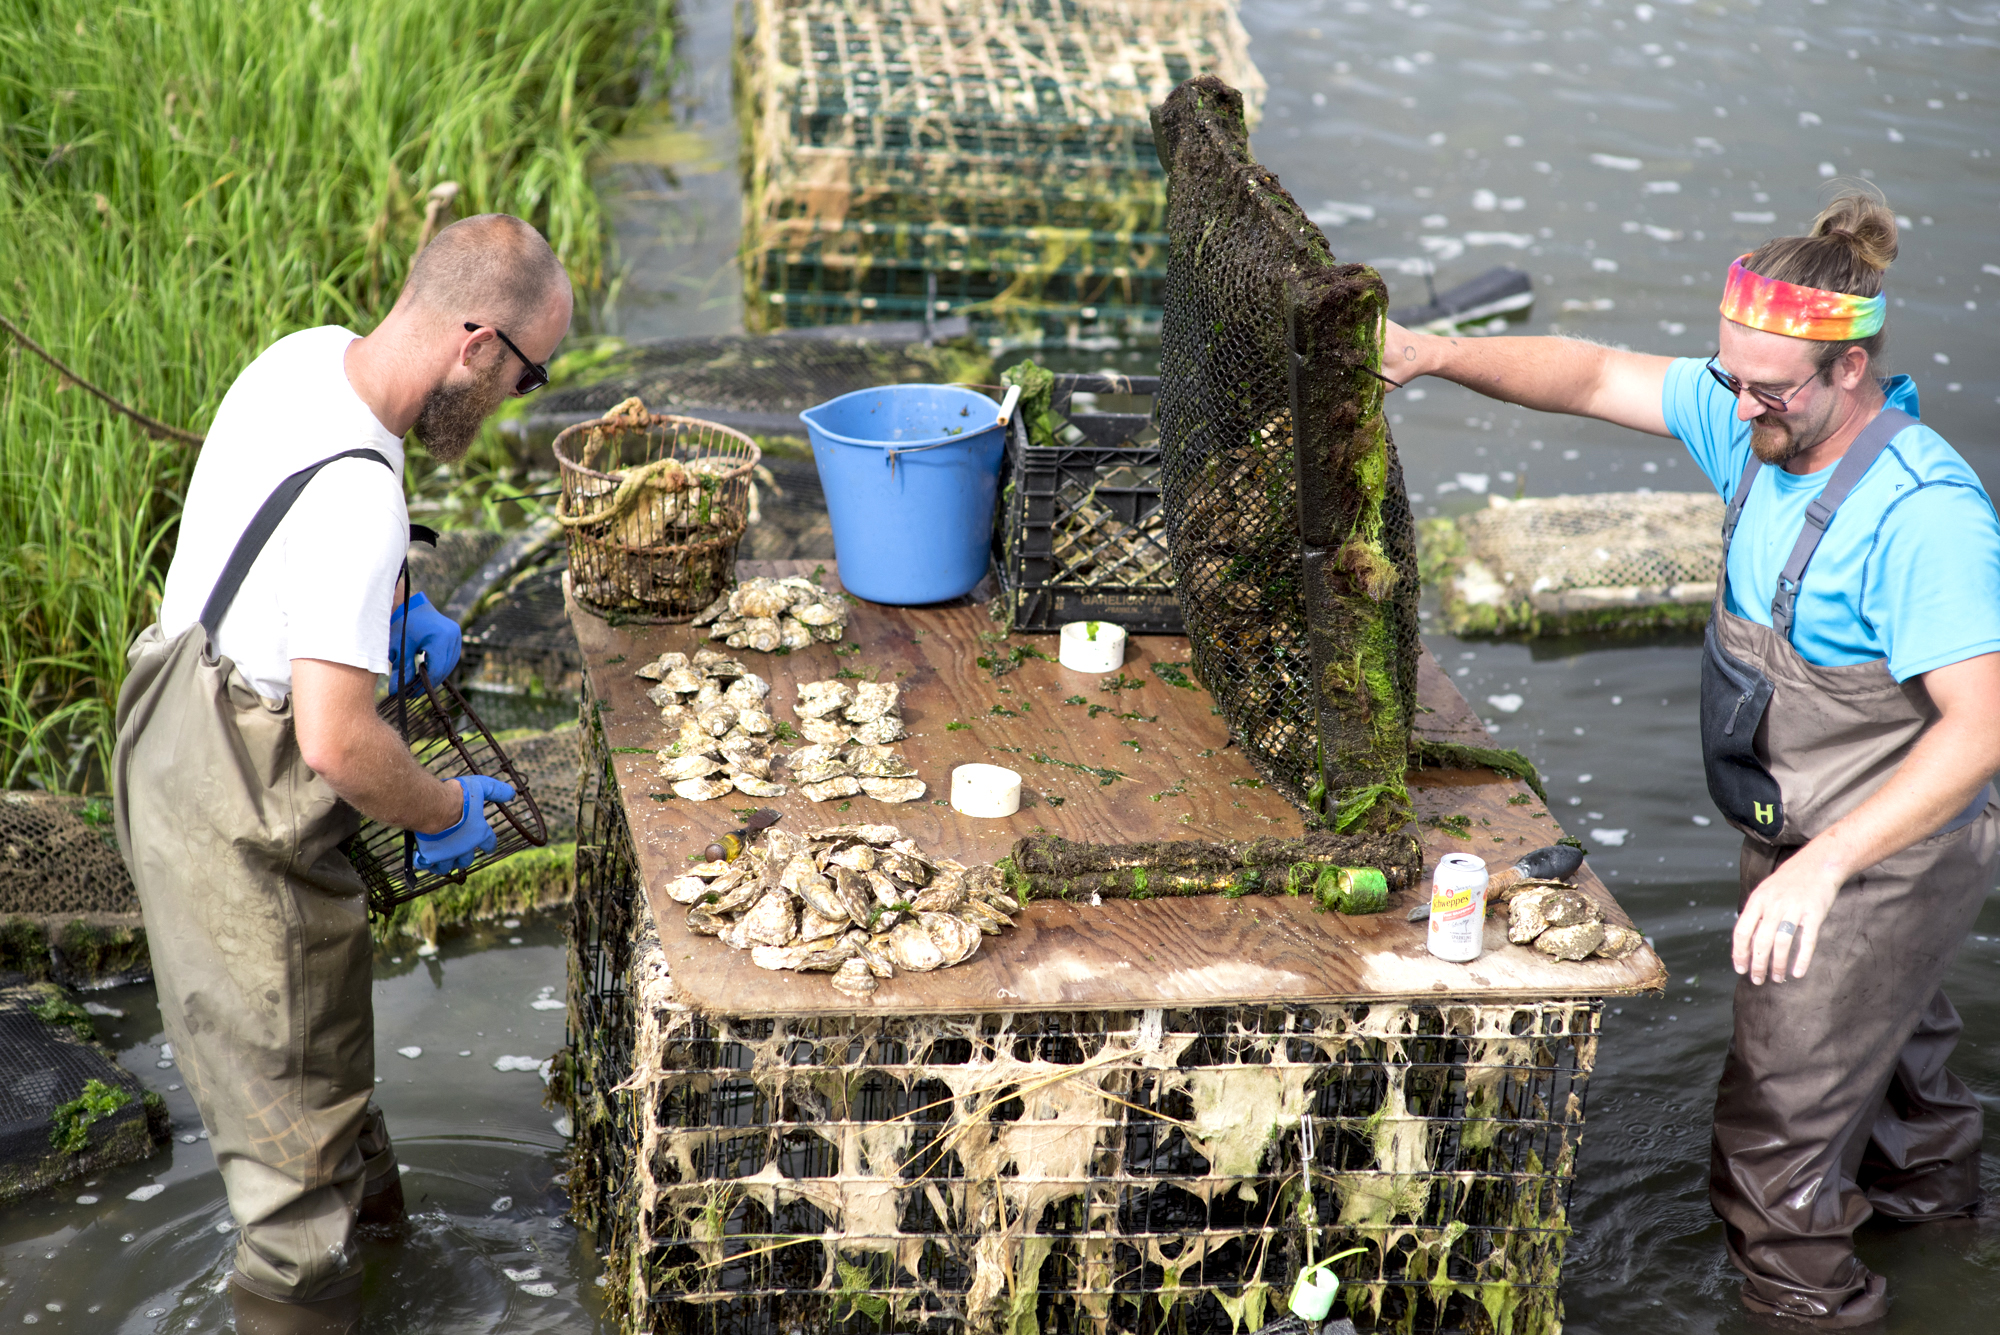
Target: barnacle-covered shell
x: 818, y: 613
x: 736, y: 895
x: 682, y: 679
x: 708, y: 871
x: 686, y: 889
x: 893, y: 790
x: 708, y: 614
x: 702, y: 790
x: 755, y: 721
x: 875, y: 950
x: 725, y: 627
x: 828, y: 957
x: 826, y: 732
x: 689, y: 767
x: 794, y: 634
x: 910, y: 947
x: 820, y: 698
x: 854, y: 857
x: 819, y: 771
x: 818, y: 892
x: 881, y: 731
x: 1525, y: 920
x: 887, y: 889
x: 817, y: 926
x: 954, y: 936
x: 748, y: 689
x: 760, y: 598
x: 733, y: 936
x: 771, y: 920
x: 692, y: 737
x: 752, y: 786
x: 845, y: 786
x: 856, y: 978
x: 1567, y: 908
x: 704, y: 919
x: 715, y: 663
x: 882, y: 836
x: 660, y: 666
x: 781, y: 846
x: 905, y: 866
x: 663, y: 695
x: 759, y: 633
x: 942, y: 895
x: 1619, y: 942
x: 1571, y: 943
x: 883, y: 767
x: 829, y: 634
x: 873, y: 700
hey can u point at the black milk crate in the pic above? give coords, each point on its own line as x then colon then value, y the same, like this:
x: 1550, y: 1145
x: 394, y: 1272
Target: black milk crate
x: 1082, y: 537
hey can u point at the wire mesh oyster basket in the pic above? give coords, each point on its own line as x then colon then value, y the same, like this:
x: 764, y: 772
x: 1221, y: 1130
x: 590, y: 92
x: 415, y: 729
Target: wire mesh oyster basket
x: 448, y: 741
x: 654, y: 506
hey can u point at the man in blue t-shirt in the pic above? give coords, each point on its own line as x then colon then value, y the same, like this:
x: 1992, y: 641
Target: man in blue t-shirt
x: 1850, y: 727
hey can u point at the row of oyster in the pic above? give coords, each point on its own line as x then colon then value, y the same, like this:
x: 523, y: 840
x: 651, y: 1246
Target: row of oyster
x: 849, y: 727
x: 772, y: 614
x: 858, y: 901
x: 1561, y: 922
x: 722, y: 725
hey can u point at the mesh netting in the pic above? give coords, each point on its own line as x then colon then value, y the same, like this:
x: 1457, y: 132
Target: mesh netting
x: 58, y: 855
x: 1293, y: 548
x: 996, y: 149
x: 1578, y: 562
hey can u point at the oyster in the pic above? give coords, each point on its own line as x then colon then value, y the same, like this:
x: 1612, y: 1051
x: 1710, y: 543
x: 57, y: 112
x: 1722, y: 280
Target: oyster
x: 819, y: 771
x: 793, y: 634
x: 771, y: 920
x: 1571, y: 943
x: 873, y: 700
x: 702, y: 790
x: 683, y: 679
x: 672, y: 714
x: 759, y: 633
x: 755, y: 721
x: 660, y: 666
x: 816, y: 926
x: 686, y: 889
x: 893, y: 790
x: 747, y: 690
x: 883, y: 767
x: 1525, y: 919
x: 725, y: 628
x: 829, y: 634
x: 881, y: 731
x: 760, y: 598
x: 690, y: 767
x: 846, y: 786
x: 942, y: 895
x: 664, y: 696
x: 717, y: 721
x: 703, y: 918
x: 954, y: 936
x: 692, y: 737
x: 905, y: 867
x: 910, y: 947
x: 806, y: 755
x: 818, y: 892
x: 879, y: 835
x: 888, y: 891
x: 854, y: 857
x: 708, y: 871
x: 818, y: 613
x: 855, y: 896
x: 779, y: 957
x: 827, y: 958
x: 781, y: 846
x: 733, y: 937
x: 875, y: 951
x: 825, y: 732
x: 1619, y: 942
x: 855, y: 978
x: 752, y: 786
x: 817, y: 699
x: 1567, y: 908
x: 707, y: 698
x: 708, y: 614
x: 984, y: 916
x: 708, y: 656
x: 734, y: 896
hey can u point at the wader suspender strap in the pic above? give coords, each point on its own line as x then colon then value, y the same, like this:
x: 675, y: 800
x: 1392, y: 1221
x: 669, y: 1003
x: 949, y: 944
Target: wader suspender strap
x: 262, y: 525
x: 1867, y: 446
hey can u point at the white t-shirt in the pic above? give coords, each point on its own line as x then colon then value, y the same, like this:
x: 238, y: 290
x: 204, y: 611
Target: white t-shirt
x: 324, y: 584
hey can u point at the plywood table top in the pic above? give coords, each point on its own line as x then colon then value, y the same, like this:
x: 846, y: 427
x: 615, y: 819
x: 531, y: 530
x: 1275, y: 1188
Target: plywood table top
x: 1140, y: 762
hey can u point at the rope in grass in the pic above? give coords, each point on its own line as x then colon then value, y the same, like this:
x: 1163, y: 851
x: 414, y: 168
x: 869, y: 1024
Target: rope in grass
x: 152, y: 426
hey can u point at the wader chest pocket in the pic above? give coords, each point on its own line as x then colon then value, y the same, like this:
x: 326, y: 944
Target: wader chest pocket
x: 1734, y: 696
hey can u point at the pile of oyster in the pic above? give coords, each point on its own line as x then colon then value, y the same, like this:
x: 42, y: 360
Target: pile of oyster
x: 722, y: 738
x: 849, y: 728
x: 1562, y: 922
x: 856, y: 901
x: 771, y: 614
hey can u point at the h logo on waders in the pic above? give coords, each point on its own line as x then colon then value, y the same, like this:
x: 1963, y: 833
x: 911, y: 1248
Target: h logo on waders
x: 1763, y: 812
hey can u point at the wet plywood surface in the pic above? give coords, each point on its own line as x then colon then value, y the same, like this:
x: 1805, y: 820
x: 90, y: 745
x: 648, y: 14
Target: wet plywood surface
x: 1116, y: 760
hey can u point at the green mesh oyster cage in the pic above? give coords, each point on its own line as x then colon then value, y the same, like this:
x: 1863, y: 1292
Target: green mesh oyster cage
x: 1113, y: 1172
x: 988, y: 155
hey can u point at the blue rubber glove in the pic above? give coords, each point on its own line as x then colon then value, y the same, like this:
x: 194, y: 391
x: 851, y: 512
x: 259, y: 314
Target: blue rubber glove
x: 455, y: 848
x: 431, y: 633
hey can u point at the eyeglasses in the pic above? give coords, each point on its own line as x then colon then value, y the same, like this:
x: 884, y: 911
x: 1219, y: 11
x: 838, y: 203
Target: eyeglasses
x: 531, y: 379
x: 1737, y: 389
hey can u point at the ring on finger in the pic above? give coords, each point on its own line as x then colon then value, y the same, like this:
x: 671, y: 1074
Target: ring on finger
x: 1787, y: 928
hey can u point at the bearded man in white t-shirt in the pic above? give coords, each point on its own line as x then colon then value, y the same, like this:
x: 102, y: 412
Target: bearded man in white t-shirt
x: 249, y: 746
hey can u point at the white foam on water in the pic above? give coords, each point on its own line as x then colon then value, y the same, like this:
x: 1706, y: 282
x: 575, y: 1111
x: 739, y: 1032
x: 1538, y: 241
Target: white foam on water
x: 1610, y: 838
x: 1506, y: 704
x: 412, y: 1052
x: 145, y: 1193
x: 1616, y: 163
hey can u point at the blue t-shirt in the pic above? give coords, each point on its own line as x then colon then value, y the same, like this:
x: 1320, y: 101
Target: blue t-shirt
x: 1909, y: 570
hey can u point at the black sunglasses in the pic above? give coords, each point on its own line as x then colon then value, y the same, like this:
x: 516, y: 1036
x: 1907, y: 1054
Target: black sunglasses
x: 531, y: 379
x: 1737, y: 389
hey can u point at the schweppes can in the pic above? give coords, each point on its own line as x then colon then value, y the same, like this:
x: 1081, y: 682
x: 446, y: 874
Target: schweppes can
x: 1458, y: 908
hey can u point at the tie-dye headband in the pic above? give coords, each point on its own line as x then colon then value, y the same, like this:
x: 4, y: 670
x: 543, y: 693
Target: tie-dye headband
x: 1779, y: 307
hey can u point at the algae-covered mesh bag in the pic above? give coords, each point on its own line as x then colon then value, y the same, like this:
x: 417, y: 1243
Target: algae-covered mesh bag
x: 1289, y: 530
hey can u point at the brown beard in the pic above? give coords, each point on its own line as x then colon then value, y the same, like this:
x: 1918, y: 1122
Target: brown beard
x: 450, y: 418
x: 1773, y: 448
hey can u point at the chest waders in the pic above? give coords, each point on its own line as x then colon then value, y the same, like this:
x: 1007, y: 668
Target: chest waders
x: 258, y: 929
x: 1834, y: 1102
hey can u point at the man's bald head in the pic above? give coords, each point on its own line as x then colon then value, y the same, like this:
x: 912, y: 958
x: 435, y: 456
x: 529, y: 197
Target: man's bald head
x: 492, y: 269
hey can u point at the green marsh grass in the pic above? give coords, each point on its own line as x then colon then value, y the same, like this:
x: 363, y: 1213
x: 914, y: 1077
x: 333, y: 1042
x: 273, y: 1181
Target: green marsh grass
x: 182, y: 182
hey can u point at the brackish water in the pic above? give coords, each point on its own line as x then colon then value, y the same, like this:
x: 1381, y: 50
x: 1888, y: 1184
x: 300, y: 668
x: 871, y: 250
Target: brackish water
x: 1623, y: 153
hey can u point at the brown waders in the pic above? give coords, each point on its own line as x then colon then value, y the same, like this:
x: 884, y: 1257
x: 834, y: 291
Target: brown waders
x: 258, y: 929
x: 1834, y: 1102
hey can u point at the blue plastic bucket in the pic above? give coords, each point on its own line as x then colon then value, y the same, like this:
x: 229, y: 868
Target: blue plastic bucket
x: 911, y: 474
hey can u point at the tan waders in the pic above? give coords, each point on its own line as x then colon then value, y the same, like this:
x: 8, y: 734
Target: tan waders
x: 1834, y: 1102
x: 258, y: 928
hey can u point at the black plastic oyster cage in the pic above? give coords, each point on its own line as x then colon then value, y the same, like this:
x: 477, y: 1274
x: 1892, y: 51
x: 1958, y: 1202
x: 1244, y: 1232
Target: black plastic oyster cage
x: 1081, y: 536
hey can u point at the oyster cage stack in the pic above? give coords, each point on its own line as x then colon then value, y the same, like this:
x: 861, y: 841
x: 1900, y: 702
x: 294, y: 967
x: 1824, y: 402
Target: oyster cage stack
x: 992, y: 156
x: 1294, y: 551
x: 448, y: 741
x: 1086, y: 1172
x: 655, y: 506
